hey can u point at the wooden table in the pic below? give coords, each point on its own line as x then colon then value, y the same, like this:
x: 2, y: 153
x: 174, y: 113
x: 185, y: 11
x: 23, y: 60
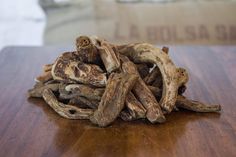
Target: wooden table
x: 29, y: 128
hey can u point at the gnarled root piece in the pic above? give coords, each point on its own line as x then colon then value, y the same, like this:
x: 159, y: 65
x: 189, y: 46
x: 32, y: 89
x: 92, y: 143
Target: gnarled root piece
x: 196, y: 106
x: 113, y: 99
x: 67, y: 68
x: 155, y: 91
x: 66, y: 111
x: 151, y: 77
x: 134, y: 107
x: 86, y: 50
x: 84, y: 102
x: 85, y: 91
x: 108, y: 56
x: 47, y: 67
x: 154, y: 113
x: 173, y: 77
x: 40, y: 87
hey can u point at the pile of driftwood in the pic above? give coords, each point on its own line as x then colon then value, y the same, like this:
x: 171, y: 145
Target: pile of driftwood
x: 101, y: 81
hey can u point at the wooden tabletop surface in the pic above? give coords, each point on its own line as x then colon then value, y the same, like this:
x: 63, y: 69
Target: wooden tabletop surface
x: 29, y: 128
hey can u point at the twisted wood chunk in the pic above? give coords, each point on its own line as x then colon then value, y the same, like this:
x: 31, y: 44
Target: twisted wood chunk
x: 143, y: 70
x: 87, y: 51
x: 84, y: 102
x: 66, y: 111
x: 47, y: 67
x: 144, y: 95
x: 196, y: 106
x: 155, y: 91
x: 134, y: 107
x: 108, y: 56
x: 89, y: 92
x: 38, y: 89
x: 67, y: 67
x: 113, y: 99
x: 158, y: 82
x: 151, y: 77
x: 165, y: 49
x: 172, y: 76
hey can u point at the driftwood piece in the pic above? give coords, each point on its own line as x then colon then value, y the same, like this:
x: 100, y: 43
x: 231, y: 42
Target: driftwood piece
x: 113, y: 99
x: 134, y: 107
x: 86, y: 50
x: 158, y: 82
x: 183, y: 102
x: 40, y: 87
x: 144, y: 95
x: 66, y: 111
x: 108, y: 56
x: 66, y: 67
x: 156, y: 91
x: 89, y: 92
x: 84, y: 102
x: 172, y: 76
x: 151, y: 77
x: 47, y: 67
x: 165, y: 49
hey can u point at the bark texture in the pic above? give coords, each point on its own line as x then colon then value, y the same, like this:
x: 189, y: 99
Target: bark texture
x: 113, y: 99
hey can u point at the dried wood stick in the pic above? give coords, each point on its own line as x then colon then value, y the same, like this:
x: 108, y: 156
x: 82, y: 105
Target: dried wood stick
x: 113, y: 99
x: 165, y: 49
x: 86, y: 50
x: 109, y: 57
x: 143, y: 94
x: 134, y: 107
x: 67, y: 67
x: 79, y: 91
x: 155, y: 91
x: 196, y: 106
x: 150, y: 78
x: 158, y: 82
x: 47, y: 67
x: 66, y: 111
x: 84, y: 102
x: 89, y: 92
x: 39, y: 88
x: 172, y: 76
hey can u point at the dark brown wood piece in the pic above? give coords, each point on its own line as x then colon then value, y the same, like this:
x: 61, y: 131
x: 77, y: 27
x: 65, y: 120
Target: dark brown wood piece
x: 113, y: 99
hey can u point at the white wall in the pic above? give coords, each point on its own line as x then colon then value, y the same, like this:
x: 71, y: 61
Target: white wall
x: 22, y: 22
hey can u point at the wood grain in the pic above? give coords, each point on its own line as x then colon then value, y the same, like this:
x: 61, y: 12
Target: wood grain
x: 28, y: 127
